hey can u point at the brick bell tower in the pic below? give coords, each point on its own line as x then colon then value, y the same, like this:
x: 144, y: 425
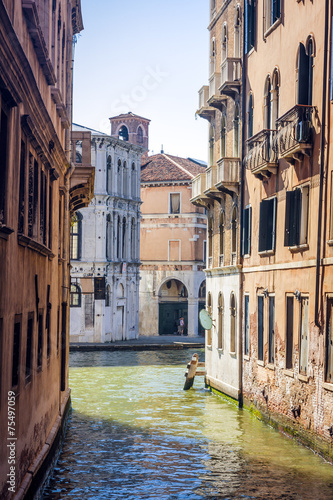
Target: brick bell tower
x: 131, y: 128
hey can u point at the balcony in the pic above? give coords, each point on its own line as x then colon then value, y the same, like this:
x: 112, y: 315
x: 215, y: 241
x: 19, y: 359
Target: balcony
x: 228, y: 175
x: 215, y: 99
x: 205, y: 111
x: 294, y: 137
x: 262, y: 158
x: 231, y: 74
x: 198, y: 187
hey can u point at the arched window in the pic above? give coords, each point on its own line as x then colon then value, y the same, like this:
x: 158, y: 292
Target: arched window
x: 305, y: 73
x: 237, y: 45
x: 202, y: 290
x: 224, y: 41
x: 209, y: 310
x: 109, y: 174
x: 119, y: 178
x: 118, y: 238
x: 267, y: 104
x: 223, y: 136
x: 212, y: 57
x: 232, y: 323
x: 76, y: 236
x: 78, y: 151
x: 139, y: 135
x: 210, y: 242
x: 125, y: 179
x: 234, y: 235
x: 211, y: 145
x: 133, y: 240
x: 236, y: 131
x: 75, y: 296
x: 108, y: 296
x: 250, y: 116
x: 220, y: 321
x: 123, y: 133
x: 124, y: 235
x: 275, y: 97
x: 133, y: 181
x: 222, y: 228
x: 109, y: 239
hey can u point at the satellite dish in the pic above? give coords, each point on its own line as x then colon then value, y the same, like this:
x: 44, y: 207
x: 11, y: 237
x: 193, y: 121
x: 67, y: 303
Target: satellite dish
x: 205, y: 319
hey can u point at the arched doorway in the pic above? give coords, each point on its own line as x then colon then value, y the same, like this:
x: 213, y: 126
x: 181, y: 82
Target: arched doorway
x: 172, y: 300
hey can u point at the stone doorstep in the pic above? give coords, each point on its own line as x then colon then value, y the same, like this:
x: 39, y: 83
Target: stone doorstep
x: 40, y: 459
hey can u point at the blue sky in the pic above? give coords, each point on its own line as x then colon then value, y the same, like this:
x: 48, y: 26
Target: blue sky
x: 148, y: 57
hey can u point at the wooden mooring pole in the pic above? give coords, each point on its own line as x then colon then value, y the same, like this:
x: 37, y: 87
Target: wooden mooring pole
x: 192, y: 371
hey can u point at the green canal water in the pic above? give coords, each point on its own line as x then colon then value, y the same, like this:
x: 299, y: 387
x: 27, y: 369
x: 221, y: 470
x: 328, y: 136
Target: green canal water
x: 135, y: 434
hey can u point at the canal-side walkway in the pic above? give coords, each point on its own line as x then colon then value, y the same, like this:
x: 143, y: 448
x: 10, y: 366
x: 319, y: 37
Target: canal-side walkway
x: 143, y: 343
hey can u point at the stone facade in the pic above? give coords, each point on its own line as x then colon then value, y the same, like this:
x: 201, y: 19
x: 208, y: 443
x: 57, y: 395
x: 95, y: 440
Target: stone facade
x: 173, y: 239
x: 218, y: 191
x: 106, y: 235
x: 37, y: 187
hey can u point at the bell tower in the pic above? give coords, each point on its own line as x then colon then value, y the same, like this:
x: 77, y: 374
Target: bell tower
x: 131, y: 128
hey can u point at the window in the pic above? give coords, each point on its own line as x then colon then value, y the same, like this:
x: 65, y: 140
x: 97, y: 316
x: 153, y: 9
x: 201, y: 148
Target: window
x: 267, y: 104
x: 76, y: 236
x: 250, y: 24
x: 140, y: 135
x: 209, y: 310
x: 260, y: 313
x: 108, y: 296
x: 75, y: 296
x: 29, y: 346
x: 212, y: 57
x: 125, y: 180
x: 329, y: 341
x: 222, y: 242
x: 48, y: 323
x: 123, y: 133
x: 133, y: 240
x: 236, y: 131
x: 174, y: 203
x: 250, y: 116
x: 289, y: 332
x: 238, y: 35
x: 275, y: 97
x: 305, y: 73
x: 210, y: 242
x: 220, y: 321
x: 99, y: 288
x: 211, y: 145
x: 124, y: 243
x: 204, y: 252
x: 272, y: 12
x: 109, y: 174
x: 40, y: 339
x: 232, y: 323
x: 109, y: 238
x: 223, y: 136
x: 224, y: 41
x: 267, y: 222
x: 16, y: 351
x: 78, y: 151
x: 234, y: 235
x: 89, y: 311
x: 246, y: 325
x: 133, y: 181
x: 119, y: 177
x: 247, y: 216
x: 118, y: 238
x: 296, y: 220
x: 304, y: 336
x: 271, y: 329
x: 4, y: 118
x: 21, y: 214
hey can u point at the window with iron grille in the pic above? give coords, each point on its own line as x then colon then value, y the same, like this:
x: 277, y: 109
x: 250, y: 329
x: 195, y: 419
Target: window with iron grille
x: 99, y: 288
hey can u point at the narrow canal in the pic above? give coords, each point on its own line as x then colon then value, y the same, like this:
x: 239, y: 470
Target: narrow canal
x: 135, y: 434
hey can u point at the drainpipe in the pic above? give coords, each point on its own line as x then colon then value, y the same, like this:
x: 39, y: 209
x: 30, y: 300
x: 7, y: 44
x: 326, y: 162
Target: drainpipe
x: 241, y: 204
x: 323, y: 164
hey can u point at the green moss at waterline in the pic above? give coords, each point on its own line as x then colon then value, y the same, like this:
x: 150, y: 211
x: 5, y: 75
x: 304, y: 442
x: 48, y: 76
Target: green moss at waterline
x: 224, y: 396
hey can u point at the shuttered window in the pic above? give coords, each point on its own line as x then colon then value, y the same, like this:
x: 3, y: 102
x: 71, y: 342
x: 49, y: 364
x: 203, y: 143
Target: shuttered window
x: 250, y: 24
x: 296, y: 219
x: 271, y: 330
x: 246, y: 325
x: 260, y: 314
x: 305, y: 73
x: 267, y: 223
x: 290, y: 332
x: 247, y: 215
x: 329, y: 342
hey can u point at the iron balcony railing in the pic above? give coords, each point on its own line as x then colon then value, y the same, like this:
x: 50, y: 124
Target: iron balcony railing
x: 228, y: 170
x: 295, y: 130
x: 262, y: 151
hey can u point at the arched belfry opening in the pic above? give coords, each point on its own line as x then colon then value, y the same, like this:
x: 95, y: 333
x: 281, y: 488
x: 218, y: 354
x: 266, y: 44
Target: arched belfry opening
x: 123, y: 133
x: 173, y: 305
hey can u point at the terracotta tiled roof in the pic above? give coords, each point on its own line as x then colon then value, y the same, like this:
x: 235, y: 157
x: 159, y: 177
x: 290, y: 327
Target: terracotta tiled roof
x: 164, y: 167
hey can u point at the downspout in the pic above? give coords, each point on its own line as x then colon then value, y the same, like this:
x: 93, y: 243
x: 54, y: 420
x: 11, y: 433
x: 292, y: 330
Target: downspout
x: 241, y: 204
x: 322, y: 166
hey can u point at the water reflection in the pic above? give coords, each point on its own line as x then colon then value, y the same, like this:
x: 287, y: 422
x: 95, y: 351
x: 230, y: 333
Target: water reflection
x: 135, y: 434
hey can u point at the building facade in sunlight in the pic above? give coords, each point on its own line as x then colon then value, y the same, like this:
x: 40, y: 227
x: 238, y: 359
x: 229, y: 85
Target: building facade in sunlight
x: 218, y: 190
x: 38, y: 190
x: 105, y: 236
x: 173, y: 245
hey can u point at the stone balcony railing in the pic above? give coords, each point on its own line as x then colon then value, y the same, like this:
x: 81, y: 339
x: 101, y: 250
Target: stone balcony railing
x: 295, y: 133
x: 214, y: 84
x: 211, y: 176
x: 228, y: 171
x: 204, y: 110
x: 231, y: 74
x: 262, y: 158
x: 198, y: 189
